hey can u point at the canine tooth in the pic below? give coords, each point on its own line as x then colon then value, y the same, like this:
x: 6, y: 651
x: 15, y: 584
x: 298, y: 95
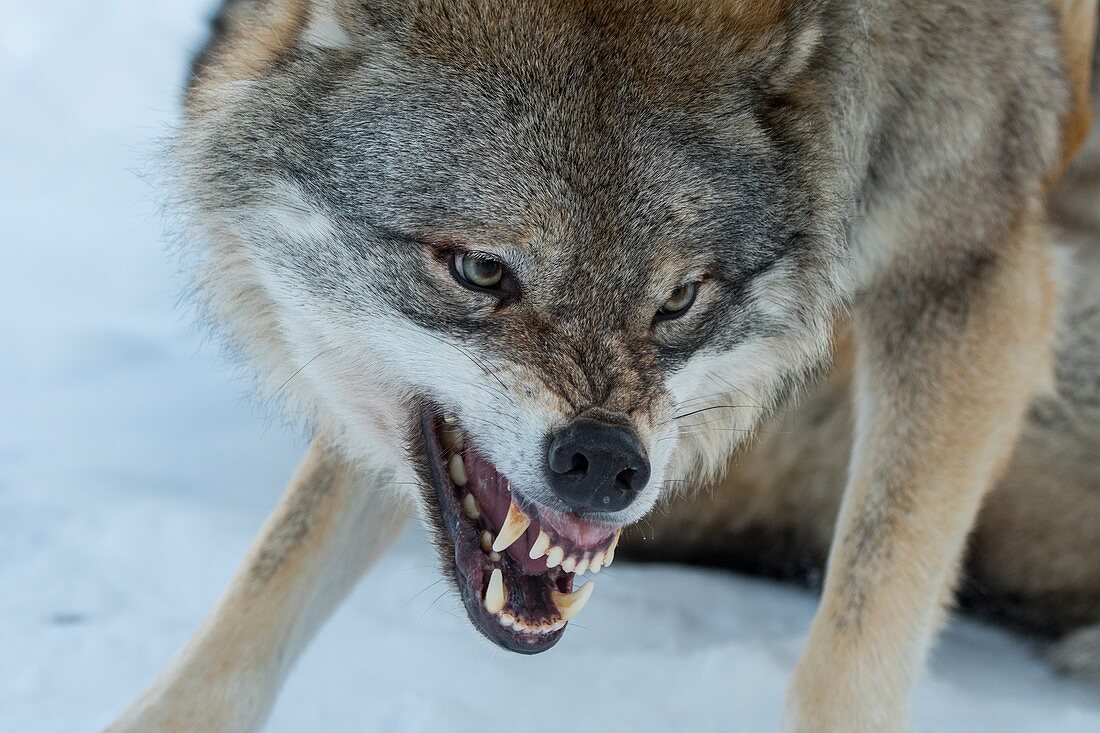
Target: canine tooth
x: 597, y: 562
x: 470, y: 507
x: 582, y: 566
x: 515, y: 524
x: 494, y: 594
x: 570, y: 604
x: 486, y: 540
x: 611, y: 550
x: 458, y: 470
x: 554, y: 557
x: 452, y: 438
x: 569, y: 564
x: 541, y: 545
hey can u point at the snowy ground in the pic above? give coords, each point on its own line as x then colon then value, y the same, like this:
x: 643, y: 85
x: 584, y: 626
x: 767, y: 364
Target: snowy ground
x: 133, y: 475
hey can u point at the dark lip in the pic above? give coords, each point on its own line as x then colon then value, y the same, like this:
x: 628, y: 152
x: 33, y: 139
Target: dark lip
x: 461, y: 555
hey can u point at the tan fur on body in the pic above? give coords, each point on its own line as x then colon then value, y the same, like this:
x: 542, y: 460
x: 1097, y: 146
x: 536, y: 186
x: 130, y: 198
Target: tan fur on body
x: 903, y: 169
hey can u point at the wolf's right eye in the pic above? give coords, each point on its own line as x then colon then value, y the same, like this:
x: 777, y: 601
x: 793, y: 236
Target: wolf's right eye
x: 480, y: 271
x: 483, y: 272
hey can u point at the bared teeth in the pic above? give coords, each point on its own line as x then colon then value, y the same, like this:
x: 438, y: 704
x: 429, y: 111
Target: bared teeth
x: 509, y: 621
x: 494, y: 594
x: 540, y: 546
x: 582, y: 566
x: 570, y: 604
x: 457, y: 470
x: 470, y: 507
x: 515, y: 524
x: 554, y: 557
x: 597, y: 562
x: 486, y: 540
x: 569, y: 564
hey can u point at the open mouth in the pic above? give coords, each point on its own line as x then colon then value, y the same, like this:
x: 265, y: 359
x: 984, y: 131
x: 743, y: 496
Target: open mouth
x: 514, y: 562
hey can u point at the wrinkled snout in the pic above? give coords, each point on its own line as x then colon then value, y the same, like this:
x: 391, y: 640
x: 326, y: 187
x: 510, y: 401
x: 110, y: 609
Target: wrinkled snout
x: 595, y: 466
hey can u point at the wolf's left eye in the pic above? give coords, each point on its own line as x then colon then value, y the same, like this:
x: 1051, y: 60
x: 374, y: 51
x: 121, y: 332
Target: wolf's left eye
x: 478, y: 271
x: 678, y: 303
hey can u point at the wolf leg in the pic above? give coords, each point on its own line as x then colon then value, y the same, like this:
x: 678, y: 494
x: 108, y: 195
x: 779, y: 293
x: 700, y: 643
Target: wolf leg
x: 947, y: 361
x: 334, y: 520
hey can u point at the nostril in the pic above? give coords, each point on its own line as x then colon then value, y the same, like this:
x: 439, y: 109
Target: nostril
x: 579, y: 464
x: 625, y: 480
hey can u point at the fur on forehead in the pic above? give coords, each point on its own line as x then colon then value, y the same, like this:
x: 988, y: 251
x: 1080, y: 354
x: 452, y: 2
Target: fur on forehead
x: 769, y: 40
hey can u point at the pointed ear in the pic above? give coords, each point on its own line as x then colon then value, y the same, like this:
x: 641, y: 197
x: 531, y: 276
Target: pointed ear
x: 368, y: 23
x: 327, y: 25
x: 776, y: 39
x: 340, y: 24
x: 251, y: 35
x: 247, y: 37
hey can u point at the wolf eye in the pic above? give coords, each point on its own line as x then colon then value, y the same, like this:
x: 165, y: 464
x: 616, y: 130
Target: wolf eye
x: 677, y: 303
x: 478, y: 271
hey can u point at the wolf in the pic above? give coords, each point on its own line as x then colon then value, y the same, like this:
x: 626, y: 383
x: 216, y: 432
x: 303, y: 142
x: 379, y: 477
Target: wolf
x: 523, y: 268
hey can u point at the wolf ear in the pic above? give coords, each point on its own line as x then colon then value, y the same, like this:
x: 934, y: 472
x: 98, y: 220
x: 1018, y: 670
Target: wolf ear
x: 346, y: 24
x: 335, y: 24
x: 776, y: 39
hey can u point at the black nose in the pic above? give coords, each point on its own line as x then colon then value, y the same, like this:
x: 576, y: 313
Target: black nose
x: 596, y: 467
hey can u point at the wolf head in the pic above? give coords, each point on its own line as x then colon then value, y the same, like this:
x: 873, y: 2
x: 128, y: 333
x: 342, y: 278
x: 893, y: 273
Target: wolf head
x: 546, y: 260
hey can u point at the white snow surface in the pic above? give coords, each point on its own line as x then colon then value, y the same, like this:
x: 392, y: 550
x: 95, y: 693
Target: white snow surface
x: 134, y: 473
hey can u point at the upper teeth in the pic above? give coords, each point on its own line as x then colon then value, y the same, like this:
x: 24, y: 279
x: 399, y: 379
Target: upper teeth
x: 597, y: 562
x: 554, y: 557
x: 457, y: 470
x: 452, y: 438
x: 611, y: 550
x: 470, y: 507
x: 515, y: 524
x: 540, y: 546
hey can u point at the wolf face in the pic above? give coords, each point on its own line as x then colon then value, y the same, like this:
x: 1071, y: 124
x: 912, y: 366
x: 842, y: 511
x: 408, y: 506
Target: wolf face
x: 545, y: 261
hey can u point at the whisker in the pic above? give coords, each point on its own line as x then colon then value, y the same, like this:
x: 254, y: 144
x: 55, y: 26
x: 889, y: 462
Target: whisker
x: 421, y: 592
x: 429, y: 608
x: 300, y: 369
x: 712, y: 407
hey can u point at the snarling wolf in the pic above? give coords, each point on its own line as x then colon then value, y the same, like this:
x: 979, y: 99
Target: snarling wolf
x: 527, y: 266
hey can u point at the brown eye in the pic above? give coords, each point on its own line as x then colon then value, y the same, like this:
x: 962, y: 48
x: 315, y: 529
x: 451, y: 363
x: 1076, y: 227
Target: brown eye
x: 677, y: 303
x: 478, y: 271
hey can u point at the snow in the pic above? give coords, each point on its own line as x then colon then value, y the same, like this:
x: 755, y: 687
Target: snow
x: 133, y: 474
